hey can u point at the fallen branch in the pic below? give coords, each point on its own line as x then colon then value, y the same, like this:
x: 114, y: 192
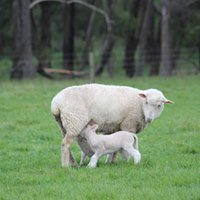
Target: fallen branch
x: 64, y: 71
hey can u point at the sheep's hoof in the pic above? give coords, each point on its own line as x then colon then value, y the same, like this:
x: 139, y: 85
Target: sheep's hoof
x: 72, y: 164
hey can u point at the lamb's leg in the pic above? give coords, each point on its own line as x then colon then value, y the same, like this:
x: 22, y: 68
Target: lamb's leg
x: 125, y: 155
x: 134, y: 153
x: 66, y: 155
x: 109, y: 158
x: 93, y: 160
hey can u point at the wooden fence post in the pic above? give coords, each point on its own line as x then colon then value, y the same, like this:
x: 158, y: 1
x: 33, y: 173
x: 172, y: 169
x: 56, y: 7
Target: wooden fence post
x: 92, y: 67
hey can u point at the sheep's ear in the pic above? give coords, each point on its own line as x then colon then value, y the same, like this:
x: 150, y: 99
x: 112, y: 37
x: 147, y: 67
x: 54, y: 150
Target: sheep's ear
x: 142, y: 95
x: 168, y: 101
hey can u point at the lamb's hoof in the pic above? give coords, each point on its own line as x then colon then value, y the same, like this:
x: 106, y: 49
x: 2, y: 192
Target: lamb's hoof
x: 137, y: 158
x: 91, y: 166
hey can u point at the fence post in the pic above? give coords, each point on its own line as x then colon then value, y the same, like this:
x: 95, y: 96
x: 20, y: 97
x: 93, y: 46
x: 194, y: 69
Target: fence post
x: 92, y: 67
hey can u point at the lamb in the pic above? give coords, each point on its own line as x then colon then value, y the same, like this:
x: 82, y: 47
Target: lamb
x: 122, y: 141
x: 113, y: 108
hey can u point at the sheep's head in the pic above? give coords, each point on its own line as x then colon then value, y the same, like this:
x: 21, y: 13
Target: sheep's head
x: 153, y: 104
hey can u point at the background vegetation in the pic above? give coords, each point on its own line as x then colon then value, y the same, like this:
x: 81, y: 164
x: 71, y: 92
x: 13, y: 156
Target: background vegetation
x: 30, y: 147
x: 138, y: 37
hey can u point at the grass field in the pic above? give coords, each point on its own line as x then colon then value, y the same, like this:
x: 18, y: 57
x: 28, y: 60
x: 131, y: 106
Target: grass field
x: 30, y: 147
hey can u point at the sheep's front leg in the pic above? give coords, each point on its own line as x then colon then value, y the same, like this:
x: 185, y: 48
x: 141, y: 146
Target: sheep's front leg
x: 83, y: 155
x: 66, y: 155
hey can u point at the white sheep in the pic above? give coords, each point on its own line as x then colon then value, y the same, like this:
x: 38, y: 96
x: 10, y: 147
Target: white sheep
x: 122, y: 141
x: 113, y: 108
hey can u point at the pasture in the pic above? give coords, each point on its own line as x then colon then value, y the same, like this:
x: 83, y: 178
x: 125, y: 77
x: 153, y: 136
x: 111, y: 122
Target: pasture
x: 30, y: 147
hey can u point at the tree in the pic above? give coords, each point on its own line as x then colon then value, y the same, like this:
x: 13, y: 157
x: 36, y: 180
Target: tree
x: 22, y: 58
x: 165, y: 68
x: 150, y: 40
x: 88, y: 37
x: 109, y: 42
x: 132, y: 37
x: 148, y: 12
x: 45, y: 36
x: 181, y: 11
x: 68, y: 40
x: 154, y: 49
x: 6, y: 36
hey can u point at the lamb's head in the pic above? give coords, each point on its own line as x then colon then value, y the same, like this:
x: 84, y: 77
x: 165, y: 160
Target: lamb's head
x: 91, y: 129
x: 153, y: 103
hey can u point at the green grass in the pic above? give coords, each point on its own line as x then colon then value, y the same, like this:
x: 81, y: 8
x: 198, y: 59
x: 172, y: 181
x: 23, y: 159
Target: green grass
x: 30, y: 147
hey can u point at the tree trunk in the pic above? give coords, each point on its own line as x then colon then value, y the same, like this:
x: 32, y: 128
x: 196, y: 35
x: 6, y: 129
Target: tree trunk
x: 109, y: 42
x: 45, y: 36
x: 199, y: 54
x: 132, y: 38
x: 22, y: 59
x: 88, y: 39
x: 68, y: 41
x: 165, y: 68
x: 144, y: 37
x: 155, y: 50
x: 177, y: 37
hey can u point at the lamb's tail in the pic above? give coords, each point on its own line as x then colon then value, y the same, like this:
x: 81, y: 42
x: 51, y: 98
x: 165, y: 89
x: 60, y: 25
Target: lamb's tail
x: 135, y: 141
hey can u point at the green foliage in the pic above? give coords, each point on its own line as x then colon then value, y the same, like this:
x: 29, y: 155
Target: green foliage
x: 30, y: 147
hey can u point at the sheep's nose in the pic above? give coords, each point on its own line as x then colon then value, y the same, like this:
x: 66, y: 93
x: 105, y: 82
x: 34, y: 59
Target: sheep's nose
x: 148, y: 120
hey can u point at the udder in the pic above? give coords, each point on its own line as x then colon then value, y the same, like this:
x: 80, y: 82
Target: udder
x: 108, y: 128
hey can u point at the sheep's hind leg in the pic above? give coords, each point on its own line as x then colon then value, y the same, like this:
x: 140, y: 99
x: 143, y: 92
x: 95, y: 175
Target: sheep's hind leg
x: 83, y: 155
x: 66, y: 155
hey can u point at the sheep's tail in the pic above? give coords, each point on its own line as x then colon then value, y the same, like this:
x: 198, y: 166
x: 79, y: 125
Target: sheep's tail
x: 135, y: 141
x: 56, y: 112
x: 55, y: 108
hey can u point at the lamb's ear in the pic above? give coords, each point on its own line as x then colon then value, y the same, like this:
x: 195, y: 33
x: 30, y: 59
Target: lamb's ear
x: 94, y: 127
x: 168, y: 101
x: 142, y: 95
x: 91, y: 122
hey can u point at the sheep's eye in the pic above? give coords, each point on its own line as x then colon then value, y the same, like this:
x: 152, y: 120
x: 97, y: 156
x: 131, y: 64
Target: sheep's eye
x: 159, y: 106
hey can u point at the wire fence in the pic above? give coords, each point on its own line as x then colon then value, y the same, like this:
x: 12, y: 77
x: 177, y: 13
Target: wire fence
x: 187, y: 61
